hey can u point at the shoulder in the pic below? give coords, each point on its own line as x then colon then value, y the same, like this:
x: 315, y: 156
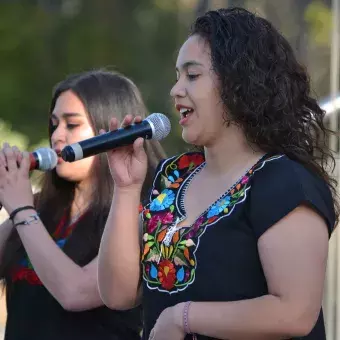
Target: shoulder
x: 280, y: 184
x: 277, y: 165
x: 282, y: 173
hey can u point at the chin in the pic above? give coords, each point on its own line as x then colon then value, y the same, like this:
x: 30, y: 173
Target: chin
x: 65, y: 174
x: 74, y: 172
x: 191, y: 138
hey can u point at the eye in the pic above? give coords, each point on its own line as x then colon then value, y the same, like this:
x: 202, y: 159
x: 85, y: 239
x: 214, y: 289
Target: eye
x: 192, y: 76
x: 72, y: 126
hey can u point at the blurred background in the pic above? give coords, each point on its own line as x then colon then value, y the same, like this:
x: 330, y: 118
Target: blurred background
x: 42, y: 41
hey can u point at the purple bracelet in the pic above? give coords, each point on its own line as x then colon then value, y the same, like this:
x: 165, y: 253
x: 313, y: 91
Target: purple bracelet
x: 185, y: 317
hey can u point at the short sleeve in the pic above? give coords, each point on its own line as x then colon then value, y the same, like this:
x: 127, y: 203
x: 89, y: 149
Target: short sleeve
x: 280, y: 186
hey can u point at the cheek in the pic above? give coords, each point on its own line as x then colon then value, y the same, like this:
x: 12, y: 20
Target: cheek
x: 206, y: 93
x: 80, y: 134
x: 76, y: 171
x: 216, y: 107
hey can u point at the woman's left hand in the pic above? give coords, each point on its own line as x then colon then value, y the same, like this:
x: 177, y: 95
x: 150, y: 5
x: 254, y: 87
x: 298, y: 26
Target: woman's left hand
x: 15, y: 185
x: 169, y: 325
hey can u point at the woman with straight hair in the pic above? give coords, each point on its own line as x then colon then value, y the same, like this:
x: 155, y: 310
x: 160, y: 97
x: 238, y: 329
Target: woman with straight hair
x: 49, y: 246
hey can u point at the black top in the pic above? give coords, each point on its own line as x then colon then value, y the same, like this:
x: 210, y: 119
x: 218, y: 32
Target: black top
x: 217, y: 259
x: 33, y: 313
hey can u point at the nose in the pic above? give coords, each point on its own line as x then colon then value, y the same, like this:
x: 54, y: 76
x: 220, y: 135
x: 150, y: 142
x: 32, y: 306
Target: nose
x: 58, y: 135
x: 178, y: 90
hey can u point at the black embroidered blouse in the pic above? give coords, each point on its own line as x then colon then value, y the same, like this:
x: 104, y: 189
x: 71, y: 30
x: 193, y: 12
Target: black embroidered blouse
x: 216, y: 258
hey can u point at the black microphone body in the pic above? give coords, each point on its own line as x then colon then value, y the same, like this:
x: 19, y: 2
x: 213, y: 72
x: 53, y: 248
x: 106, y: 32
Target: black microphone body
x: 107, y: 141
x: 154, y: 127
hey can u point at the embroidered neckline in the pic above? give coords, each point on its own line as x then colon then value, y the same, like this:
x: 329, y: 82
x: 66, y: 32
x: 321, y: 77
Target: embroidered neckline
x: 182, y: 191
x: 169, y: 253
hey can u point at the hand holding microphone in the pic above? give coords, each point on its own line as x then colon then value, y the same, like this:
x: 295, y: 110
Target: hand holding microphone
x: 124, y: 147
x: 42, y: 159
x: 128, y: 164
x: 15, y: 186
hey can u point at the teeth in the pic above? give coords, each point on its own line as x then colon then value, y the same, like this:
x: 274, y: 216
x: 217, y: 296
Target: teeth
x: 185, y: 111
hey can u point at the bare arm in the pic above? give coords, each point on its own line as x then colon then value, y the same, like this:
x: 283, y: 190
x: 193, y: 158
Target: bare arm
x: 119, y: 253
x: 74, y: 287
x: 293, y: 254
x: 6, y: 229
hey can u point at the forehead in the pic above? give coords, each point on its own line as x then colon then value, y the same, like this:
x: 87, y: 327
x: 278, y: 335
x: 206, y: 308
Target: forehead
x: 68, y: 102
x: 196, y: 50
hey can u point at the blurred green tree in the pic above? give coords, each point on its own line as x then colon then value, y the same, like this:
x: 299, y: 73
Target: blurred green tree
x: 43, y: 41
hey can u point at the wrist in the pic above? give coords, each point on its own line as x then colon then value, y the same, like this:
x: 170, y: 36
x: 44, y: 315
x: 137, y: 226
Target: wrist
x: 185, y: 317
x: 131, y: 190
x: 14, y: 212
x: 178, y: 311
x: 21, y: 215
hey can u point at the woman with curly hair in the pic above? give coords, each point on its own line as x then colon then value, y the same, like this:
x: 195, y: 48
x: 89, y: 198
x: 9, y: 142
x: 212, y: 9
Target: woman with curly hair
x: 235, y: 238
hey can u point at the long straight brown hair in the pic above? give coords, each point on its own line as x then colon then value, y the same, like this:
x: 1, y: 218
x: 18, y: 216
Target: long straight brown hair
x: 104, y: 94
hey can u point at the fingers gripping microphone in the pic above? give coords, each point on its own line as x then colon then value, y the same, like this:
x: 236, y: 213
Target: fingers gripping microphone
x: 43, y: 159
x: 156, y: 126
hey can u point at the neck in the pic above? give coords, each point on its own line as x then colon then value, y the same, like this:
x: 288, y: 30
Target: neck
x: 230, y: 150
x: 82, y: 197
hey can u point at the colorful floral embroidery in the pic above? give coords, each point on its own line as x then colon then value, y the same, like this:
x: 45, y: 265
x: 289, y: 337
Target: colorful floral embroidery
x: 189, y: 161
x: 25, y: 271
x: 168, y: 259
x: 163, y: 201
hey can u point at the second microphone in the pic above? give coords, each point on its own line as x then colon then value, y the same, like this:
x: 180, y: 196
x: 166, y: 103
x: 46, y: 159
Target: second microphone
x: 156, y: 126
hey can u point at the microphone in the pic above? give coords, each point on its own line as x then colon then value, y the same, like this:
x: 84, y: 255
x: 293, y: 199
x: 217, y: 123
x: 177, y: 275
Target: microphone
x: 156, y: 126
x: 43, y: 159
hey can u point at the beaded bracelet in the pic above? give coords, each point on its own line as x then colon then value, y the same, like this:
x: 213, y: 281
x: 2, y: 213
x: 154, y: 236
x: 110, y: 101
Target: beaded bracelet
x: 185, y: 317
x: 186, y: 320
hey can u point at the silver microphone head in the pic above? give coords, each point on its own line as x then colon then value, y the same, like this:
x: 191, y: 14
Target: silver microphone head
x: 47, y: 157
x: 160, y: 125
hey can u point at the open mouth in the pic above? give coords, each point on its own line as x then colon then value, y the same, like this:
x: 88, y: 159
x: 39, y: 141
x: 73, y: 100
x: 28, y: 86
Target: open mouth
x: 185, y: 112
x: 58, y: 152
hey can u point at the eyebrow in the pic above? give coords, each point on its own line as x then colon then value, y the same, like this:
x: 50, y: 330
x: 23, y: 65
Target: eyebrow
x: 189, y: 63
x: 67, y: 115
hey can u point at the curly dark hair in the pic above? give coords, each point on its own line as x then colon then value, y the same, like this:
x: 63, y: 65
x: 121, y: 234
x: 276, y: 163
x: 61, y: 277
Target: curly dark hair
x: 265, y: 90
